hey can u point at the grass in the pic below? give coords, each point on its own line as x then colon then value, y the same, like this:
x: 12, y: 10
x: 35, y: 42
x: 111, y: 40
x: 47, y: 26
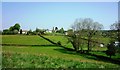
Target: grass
x: 62, y: 39
x: 24, y: 40
x: 49, y: 52
x: 36, y: 40
x: 117, y: 55
x: 33, y: 40
x: 55, y: 52
x: 16, y: 60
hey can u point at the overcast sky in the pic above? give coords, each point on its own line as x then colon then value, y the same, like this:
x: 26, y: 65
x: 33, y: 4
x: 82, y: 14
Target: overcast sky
x: 61, y: 14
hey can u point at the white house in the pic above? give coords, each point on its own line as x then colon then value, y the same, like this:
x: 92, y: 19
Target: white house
x: 48, y: 31
x: 23, y: 32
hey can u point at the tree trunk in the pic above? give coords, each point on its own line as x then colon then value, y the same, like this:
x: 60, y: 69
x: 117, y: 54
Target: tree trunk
x: 74, y: 45
x: 88, y: 45
x: 110, y: 56
x: 81, y: 49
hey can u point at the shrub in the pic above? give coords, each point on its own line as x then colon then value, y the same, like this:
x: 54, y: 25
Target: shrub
x: 111, y: 49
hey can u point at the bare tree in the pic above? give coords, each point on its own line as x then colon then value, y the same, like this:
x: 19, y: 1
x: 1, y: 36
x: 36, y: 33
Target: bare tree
x: 73, y: 38
x: 84, y: 29
x: 116, y: 28
x: 92, y: 29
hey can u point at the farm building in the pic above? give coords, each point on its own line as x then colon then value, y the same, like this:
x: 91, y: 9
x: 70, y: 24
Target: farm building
x: 48, y: 31
x: 23, y: 31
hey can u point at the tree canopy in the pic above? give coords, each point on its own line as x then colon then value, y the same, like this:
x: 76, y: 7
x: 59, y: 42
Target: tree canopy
x: 12, y: 30
x: 17, y: 26
x: 83, y: 28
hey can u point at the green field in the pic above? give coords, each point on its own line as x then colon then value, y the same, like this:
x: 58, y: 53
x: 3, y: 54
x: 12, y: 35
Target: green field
x: 47, y: 56
x: 25, y: 40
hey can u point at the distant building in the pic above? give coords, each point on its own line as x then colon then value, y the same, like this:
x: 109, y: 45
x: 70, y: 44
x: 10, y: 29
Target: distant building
x: 66, y: 32
x: 48, y: 31
x: 23, y: 32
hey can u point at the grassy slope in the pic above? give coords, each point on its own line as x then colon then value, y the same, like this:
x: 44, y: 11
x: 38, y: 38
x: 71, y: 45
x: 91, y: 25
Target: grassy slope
x: 33, y: 40
x: 62, y: 39
x: 50, y: 51
x: 56, y: 52
x: 24, y: 40
x: 16, y: 60
x: 36, y: 40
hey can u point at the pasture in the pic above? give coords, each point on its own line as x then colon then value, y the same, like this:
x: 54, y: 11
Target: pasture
x: 42, y: 54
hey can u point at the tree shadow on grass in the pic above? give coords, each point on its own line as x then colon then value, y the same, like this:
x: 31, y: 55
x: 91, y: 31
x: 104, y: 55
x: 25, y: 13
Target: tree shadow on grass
x: 90, y: 56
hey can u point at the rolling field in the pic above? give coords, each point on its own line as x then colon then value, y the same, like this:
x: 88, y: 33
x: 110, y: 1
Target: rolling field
x: 24, y: 40
x: 46, y: 56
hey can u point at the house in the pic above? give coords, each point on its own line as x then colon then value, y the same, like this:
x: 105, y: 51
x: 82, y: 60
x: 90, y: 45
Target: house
x: 66, y: 32
x: 23, y: 32
x: 48, y: 31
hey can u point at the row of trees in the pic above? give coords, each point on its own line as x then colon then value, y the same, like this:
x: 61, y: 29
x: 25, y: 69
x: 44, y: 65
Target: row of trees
x: 56, y: 30
x: 44, y: 31
x: 12, y: 30
x: 36, y: 32
x: 16, y: 29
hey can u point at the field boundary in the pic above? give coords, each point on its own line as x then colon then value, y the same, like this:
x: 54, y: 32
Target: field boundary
x: 69, y: 49
x: 23, y: 45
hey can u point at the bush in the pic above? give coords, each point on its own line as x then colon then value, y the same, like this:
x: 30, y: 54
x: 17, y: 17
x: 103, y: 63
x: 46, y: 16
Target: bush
x: 15, y: 32
x: 8, y: 32
x: 111, y: 49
